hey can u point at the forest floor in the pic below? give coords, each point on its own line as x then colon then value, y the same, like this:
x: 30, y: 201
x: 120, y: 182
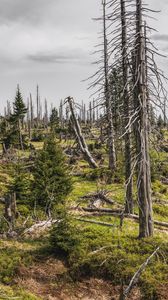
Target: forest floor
x: 29, y: 271
x: 48, y: 278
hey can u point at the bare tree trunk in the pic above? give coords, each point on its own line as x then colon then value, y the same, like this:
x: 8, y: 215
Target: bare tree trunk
x: 31, y: 112
x: 61, y: 114
x: 37, y: 99
x: 10, y: 209
x: 128, y: 164
x: 90, y: 113
x: 108, y: 98
x: 29, y: 118
x: 46, y: 115
x: 79, y: 136
x: 141, y: 129
x: 20, y: 134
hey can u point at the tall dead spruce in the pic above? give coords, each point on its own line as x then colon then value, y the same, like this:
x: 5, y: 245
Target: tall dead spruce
x: 126, y: 103
x: 108, y: 96
x: 142, y: 89
x: 141, y: 129
x: 100, y: 81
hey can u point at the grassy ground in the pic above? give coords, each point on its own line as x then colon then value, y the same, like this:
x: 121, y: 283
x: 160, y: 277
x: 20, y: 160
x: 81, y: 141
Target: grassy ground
x: 109, y: 253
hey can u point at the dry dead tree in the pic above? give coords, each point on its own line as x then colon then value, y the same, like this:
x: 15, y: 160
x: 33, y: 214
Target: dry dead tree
x: 137, y: 275
x: 79, y: 136
x: 141, y: 89
x: 141, y: 130
x: 126, y: 103
x: 100, y: 81
x: 108, y: 96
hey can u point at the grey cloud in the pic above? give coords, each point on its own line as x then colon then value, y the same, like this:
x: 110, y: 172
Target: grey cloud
x: 160, y: 37
x: 23, y: 10
x: 73, y: 56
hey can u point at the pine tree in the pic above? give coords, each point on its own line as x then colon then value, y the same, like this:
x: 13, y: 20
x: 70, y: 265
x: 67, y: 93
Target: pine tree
x: 54, y: 119
x: 21, y: 182
x: 52, y: 182
x: 19, y: 108
x: 18, y: 191
x: 19, y: 111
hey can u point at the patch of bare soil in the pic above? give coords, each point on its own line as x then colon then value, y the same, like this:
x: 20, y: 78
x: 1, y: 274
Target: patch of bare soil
x: 48, y: 280
x: 163, y: 292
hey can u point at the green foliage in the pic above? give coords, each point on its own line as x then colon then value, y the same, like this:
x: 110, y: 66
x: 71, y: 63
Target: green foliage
x: 3, y: 225
x: 111, y: 254
x: 64, y: 239
x: 13, y: 135
x: 161, y: 210
x: 38, y: 136
x: 21, y: 182
x: 54, y: 119
x: 105, y: 174
x: 52, y: 182
x: 10, y: 259
x: 19, y: 108
x: 7, y: 293
x: 100, y: 173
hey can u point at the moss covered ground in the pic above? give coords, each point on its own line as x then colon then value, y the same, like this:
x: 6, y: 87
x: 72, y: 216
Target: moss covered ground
x: 107, y: 253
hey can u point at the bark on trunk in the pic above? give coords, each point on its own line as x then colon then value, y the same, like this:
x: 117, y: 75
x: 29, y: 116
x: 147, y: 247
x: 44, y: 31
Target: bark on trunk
x: 10, y: 210
x: 142, y: 143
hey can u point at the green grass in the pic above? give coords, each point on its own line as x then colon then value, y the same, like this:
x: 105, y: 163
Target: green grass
x: 7, y: 293
x: 115, y: 255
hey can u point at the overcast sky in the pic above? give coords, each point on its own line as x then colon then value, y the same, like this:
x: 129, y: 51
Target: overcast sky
x: 49, y: 42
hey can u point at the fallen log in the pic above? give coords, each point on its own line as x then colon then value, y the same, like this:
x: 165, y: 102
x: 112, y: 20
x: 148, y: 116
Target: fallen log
x: 96, y: 222
x: 104, y: 210
x: 120, y: 213
x: 100, y: 195
x: 39, y: 227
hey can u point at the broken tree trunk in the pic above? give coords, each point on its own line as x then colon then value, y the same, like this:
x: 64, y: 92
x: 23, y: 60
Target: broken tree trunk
x: 78, y: 133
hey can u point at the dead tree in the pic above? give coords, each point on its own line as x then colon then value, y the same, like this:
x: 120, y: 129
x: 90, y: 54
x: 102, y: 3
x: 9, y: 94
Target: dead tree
x: 46, y: 115
x: 31, y: 112
x: 100, y: 82
x: 61, y: 114
x: 10, y: 210
x: 126, y: 103
x: 37, y: 105
x: 108, y: 96
x: 78, y: 133
x: 28, y: 118
x: 142, y: 132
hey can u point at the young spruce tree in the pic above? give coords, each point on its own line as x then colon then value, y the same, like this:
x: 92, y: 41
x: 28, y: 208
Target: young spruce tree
x: 19, y: 111
x: 52, y: 182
